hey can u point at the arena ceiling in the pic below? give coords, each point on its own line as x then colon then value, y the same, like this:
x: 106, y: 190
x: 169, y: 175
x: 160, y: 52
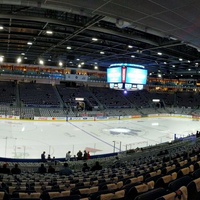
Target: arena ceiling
x: 162, y: 35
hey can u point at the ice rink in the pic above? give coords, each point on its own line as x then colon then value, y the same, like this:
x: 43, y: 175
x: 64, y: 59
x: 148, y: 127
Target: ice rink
x: 28, y: 139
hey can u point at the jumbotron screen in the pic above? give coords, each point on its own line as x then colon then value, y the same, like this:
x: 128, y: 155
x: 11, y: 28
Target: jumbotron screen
x: 136, y: 76
x: 114, y: 75
x: 124, y: 76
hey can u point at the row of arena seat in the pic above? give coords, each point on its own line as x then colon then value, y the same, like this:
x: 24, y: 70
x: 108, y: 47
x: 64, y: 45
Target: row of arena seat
x: 35, y: 94
x: 110, y: 183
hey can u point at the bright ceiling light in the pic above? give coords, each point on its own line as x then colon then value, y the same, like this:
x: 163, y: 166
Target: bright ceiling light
x: 69, y: 48
x: 1, y: 58
x: 19, y: 60
x: 101, y: 52
x: 49, y: 60
x: 29, y: 43
x: 165, y: 63
x: 82, y: 63
x: 95, y: 67
x: 60, y: 64
x: 25, y: 58
x: 180, y: 59
x: 130, y: 46
x: 23, y: 54
x: 79, y: 65
x: 132, y: 56
x: 41, y: 62
x: 188, y: 61
x: 189, y: 69
x: 49, y: 32
x: 1, y: 27
x: 94, y: 39
x: 77, y: 59
x: 173, y: 66
x: 159, y: 53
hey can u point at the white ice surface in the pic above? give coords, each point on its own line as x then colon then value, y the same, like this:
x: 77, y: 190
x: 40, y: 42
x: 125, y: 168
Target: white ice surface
x: 28, y: 139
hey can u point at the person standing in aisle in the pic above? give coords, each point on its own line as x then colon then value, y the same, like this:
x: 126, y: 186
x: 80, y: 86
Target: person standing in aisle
x: 68, y: 156
x: 43, y: 158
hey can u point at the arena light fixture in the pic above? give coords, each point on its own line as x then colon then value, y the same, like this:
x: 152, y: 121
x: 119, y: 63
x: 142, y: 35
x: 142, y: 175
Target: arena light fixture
x: 69, y: 47
x: 159, y: 53
x: 29, y: 43
x: 41, y: 62
x: 1, y: 58
x: 19, y: 60
x: 1, y: 27
x: 180, y: 59
x: 132, y: 56
x: 49, y: 32
x: 79, y: 65
x: 102, y: 52
x: 125, y: 91
x: 95, y: 67
x: 130, y: 46
x: 25, y: 58
x: 94, y: 39
x: 60, y: 64
x: 156, y: 100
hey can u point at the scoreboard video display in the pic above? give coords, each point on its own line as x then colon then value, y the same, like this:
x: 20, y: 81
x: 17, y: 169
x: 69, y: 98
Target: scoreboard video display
x: 114, y: 75
x: 136, y: 76
x: 126, y: 76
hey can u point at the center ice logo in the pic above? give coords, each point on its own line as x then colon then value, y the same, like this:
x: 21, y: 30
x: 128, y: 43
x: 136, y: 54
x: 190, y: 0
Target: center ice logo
x: 124, y: 131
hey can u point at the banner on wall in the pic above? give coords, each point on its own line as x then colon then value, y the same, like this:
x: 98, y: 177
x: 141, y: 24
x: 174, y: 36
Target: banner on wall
x: 113, y: 118
x: 125, y: 117
x: 59, y: 118
x: 41, y: 118
x: 80, y: 118
x: 135, y: 116
x: 75, y: 77
x: 11, y: 117
x: 99, y: 118
x: 159, y: 115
